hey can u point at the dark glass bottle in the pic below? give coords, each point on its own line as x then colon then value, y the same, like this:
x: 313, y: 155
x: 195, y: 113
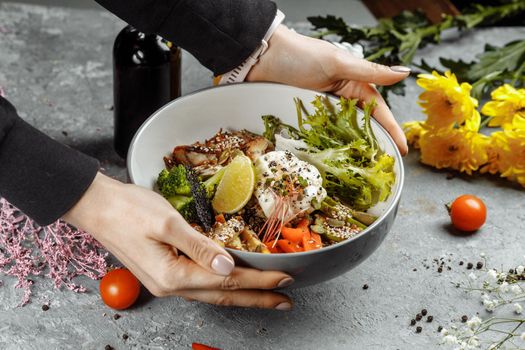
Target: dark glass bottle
x: 146, y: 76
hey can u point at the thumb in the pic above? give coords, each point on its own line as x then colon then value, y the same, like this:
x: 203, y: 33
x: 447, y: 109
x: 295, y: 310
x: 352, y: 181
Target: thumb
x: 359, y: 69
x: 199, y: 248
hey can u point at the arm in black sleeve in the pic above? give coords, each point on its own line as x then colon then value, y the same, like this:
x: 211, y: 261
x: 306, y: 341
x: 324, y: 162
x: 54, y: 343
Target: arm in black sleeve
x: 40, y: 176
x: 221, y: 34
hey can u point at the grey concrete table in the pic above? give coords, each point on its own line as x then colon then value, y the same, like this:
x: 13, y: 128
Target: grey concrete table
x: 55, y: 66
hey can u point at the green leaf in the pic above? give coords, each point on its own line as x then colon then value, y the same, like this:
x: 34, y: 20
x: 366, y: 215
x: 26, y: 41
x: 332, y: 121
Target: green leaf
x: 508, y: 58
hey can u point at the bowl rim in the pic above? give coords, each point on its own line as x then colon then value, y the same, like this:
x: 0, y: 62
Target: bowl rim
x: 242, y: 254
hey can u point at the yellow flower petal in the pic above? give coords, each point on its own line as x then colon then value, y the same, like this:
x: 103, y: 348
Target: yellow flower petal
x: 507, y: 104
x: 458, y: 149
x: 506, y: 154
x: 446, y: 102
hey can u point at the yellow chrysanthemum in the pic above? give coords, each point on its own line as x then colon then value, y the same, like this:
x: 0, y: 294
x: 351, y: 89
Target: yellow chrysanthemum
x: 413, y: 131
x: 445, y: 101
x: 458, y: 149
x: 506, y: 108
x: 507, y: 155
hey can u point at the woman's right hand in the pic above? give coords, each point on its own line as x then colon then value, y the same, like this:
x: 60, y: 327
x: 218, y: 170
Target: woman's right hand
x: 145, y: 233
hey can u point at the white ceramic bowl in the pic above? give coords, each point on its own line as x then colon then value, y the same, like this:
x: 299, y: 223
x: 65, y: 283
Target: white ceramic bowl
x: 200, y: 115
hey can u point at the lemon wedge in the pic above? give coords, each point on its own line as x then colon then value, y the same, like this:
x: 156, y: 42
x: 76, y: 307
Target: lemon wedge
x: 236, y: 186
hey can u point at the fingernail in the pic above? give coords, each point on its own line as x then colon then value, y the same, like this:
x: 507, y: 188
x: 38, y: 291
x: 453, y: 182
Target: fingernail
x: 285, y: 306
x: 400, y: 69
x: 285, y: 282
x: 222, y: 265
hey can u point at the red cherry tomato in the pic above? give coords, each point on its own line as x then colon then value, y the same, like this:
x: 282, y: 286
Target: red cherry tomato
x: 119, y: 289
x: 468, y: 213
x: 197, y: 346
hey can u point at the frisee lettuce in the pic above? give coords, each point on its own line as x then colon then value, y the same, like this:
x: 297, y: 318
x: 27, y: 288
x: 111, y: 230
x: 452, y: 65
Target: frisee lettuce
x: 345, y: 151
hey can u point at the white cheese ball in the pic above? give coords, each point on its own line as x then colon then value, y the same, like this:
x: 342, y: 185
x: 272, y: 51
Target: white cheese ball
x: 271, y: 167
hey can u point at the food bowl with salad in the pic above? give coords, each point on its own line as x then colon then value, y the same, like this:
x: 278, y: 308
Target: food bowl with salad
x: 284, y: 178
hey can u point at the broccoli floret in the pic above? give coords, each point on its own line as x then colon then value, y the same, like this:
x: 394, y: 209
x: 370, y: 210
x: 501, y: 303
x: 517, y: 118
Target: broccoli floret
x: 185, y: 206
x: 211, y: 184
x: 174, y: 181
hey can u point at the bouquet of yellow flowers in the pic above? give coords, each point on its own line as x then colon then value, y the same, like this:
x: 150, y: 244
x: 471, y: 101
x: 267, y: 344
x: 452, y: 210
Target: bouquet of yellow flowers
x: 450, y: 137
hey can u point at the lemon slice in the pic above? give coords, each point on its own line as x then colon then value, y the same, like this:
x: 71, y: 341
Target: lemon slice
x: 236, y: 186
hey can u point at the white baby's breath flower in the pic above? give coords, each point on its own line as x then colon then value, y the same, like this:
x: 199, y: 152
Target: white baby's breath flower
x: 522, y: 336
x: 444, y: 332
x: 520, y: 269
x: 492, y: 275
x: 473, y: 342
x: 515, y: 289
x: 502, y: 276
x: 518, y: 308
x: 484, y: 297
x: 482, y: 254
x: 472, y: 276
x: 450, y: 340
x: 489, y: 305
x: 474, y: 322
x: 504, y: 287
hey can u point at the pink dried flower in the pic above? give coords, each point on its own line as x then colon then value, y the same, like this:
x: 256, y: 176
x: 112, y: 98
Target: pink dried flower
x: 2, y: 92
x: 58, y: 250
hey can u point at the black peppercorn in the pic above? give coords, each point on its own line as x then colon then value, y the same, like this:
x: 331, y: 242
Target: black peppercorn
x: 125, y: 336
x: 116, y: 316
x: 440, y: 269
x: 45, y: 307
x: 418, y: 317
x: 470, y: 266
x: 479, y: 265
x: 108, y: 347
x: 412, y: 322
x: 419, y: 329
x: 460, y: 263
x: 464, y: 318
x: 365, y: 286
x: 424, y: 312
x: 430, y: 318
x: 440, y: 328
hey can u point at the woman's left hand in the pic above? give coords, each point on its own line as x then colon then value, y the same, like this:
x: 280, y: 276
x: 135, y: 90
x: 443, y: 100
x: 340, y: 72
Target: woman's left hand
x: 298, y: 60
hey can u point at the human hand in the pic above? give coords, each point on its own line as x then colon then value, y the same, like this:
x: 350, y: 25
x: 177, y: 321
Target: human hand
x: 145, y: 233
x: 298, y: 60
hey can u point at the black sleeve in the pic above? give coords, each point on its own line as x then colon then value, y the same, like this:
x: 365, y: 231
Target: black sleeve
x: 221, y: 34
x: 40, y: 176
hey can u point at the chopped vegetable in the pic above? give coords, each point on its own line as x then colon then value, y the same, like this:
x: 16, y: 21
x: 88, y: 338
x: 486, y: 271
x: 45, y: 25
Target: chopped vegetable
x: 289, y: 247
x: 172, y: 182
x: 294, y: 235
x: 185, y: 206
x: 312, y: 241
x: 346, y: 153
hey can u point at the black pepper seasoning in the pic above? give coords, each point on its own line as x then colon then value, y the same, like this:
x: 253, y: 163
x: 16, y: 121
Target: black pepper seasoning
x: 418, y: 317
x: 424, y: 312
x: 440, y: 328
x: 464, y: 318
x: 412, y: 322
x: 365, y: 286
x: 116, y: 316
x: 419, y: 329
x: 479, y: 265
x: 45, y: 307
x: 470, y: 266
x: 125, y: 336
x: 430, y: 318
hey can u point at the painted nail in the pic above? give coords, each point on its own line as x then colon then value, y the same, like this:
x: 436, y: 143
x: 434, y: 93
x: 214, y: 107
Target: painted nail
x: 285, y: 306
x: 222, y: 265
x: 400, y: 69
x: 285, y: 282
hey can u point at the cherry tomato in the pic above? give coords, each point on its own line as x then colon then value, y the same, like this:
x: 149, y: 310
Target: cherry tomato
x: 119, y: 289
x: 197, y: 346
x: 468, y: 213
